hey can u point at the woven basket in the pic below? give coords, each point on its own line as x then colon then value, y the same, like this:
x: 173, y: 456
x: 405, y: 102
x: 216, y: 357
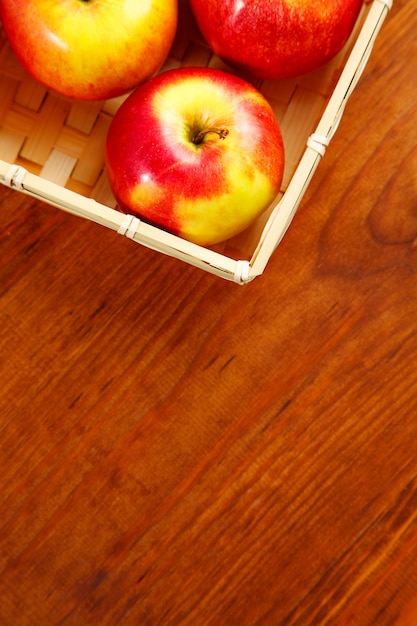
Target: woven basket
x: 53, y: 148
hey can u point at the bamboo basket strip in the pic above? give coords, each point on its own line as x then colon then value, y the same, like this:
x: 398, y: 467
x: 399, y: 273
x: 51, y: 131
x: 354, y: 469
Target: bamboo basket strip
x: 284, y: 211
x: 149, y: 236
x: 10, y: 145
x: 53, y: 147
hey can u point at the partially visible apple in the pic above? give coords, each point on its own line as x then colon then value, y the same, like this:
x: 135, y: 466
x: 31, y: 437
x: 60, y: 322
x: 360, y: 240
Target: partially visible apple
x: 90, y: 49
x: 274, y: 39
x: 195, y: 151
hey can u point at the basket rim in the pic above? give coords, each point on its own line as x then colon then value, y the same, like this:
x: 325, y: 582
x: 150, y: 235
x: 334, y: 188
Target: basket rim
x: 240, y: 271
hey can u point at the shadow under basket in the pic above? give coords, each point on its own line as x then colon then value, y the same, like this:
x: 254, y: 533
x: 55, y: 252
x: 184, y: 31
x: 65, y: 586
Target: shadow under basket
x: 52, y: 147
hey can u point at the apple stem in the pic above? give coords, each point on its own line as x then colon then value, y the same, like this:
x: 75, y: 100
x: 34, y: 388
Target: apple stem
x: 199, y: 137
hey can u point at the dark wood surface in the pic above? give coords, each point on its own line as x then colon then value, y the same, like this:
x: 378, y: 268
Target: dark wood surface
x: 176, y: 449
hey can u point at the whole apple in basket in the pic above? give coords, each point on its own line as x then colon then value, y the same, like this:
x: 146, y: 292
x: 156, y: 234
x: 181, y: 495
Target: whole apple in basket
x: 197, y: 152
x: 90, y: 49
x: 276, y: 38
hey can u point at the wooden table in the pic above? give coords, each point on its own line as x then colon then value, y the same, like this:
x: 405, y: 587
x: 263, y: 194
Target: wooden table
x: 177, y: 449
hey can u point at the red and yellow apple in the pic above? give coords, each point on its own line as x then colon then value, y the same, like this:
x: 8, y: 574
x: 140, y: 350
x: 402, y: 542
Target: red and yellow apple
x: 197, y: 152
x: 274, y: 39
x: 90, y: 49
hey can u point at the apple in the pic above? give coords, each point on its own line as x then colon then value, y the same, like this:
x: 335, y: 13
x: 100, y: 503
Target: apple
x: 275, y: 39
x: 90, y: 49
x: 197, y: 152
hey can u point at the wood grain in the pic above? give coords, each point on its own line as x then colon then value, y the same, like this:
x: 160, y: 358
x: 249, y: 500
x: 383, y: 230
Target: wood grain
x: 176, y: 449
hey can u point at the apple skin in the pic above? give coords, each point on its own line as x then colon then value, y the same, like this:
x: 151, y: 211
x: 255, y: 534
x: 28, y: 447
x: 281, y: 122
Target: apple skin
x: 276, y: 39
x: 204, y: 192
x: 90, y: 49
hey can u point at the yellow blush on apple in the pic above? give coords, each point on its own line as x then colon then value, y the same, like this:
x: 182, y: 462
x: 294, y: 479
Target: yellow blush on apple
x: 90, y: 49
x: 197, y: 152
